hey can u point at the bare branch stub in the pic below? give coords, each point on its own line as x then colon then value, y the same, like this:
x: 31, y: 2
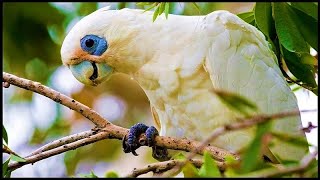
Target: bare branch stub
x: 309, y: 127
x: 5, y: 84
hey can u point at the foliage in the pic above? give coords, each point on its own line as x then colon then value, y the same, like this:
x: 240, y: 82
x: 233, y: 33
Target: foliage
x: 236, y: 102
x: 111, y: 174
x: 291, y: 29
x: 6, y: 173
x: 161, y: 7
x: 17, y: 158
x: 4, y: 135
x: 209, y: 167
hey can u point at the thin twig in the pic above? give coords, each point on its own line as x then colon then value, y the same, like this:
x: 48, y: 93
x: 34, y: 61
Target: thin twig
x: 244, y: 123
x: 51, y: 152
x: 7, y: 150
x: 159, y: 167
x: 63, y: 141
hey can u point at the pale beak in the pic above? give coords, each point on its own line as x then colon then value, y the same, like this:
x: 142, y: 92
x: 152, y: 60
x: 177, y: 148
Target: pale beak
x: 91, y: 73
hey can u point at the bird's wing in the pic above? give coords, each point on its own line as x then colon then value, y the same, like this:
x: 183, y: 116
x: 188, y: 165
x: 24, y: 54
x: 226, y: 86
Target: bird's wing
x: 239, y: 60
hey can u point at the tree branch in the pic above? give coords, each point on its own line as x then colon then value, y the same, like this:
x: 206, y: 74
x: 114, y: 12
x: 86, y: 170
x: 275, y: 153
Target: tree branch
x: 106, y: 129
x: 88, y: 137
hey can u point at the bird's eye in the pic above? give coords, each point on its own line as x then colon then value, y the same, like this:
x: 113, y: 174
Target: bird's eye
x: 94, y: 45
x: 89, y: 43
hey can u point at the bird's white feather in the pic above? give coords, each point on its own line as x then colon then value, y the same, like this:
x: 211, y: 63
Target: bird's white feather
x: 177, y: 61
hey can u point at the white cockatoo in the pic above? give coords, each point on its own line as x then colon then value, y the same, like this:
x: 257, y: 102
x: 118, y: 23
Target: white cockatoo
x: 178, y: 61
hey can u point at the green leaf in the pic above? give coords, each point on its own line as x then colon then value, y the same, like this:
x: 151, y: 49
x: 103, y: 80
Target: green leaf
x: 308, y: 59
x: 263, y: 18
x: 295, y: 140
x: 111, y: 174
x: 161, y: 8
x: 190, y: 171
x: 5, y: 167
x: 91, y: 175
x: 303, y: 72
x: 56, y: 33
x: 34, y: 66
x: 309, y: 8
x: 8, y: 174
x: 247, y: 17
x: 4, y: 134
x: 166, y: 10
x: 253, y: 155
x: 152, y: 6
x: 209, y: 167
x: 86, y: 8
x: 312, y: 170
x: 287, y: 30
x: 179, y: 156
x: 296, y: 88
x: 17, y: 158
x: 236, y: 102
x: 230, y: 160
x: 144, y: 3
x: 155, y: 14
x: 230, y: 172
x: 308, y: 27
x: 196, y: 6
x: 231, y: 166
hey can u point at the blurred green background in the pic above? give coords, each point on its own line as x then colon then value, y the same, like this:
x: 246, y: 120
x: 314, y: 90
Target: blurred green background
x: 32, y: 37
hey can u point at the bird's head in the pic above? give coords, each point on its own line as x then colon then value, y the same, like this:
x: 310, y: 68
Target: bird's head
x: 100, y: 44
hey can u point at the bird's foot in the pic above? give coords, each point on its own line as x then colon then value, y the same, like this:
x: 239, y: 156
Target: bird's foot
x: 132, y: 143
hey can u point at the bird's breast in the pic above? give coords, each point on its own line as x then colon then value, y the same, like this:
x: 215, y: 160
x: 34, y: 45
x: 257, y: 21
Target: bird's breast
x: 184, y: 104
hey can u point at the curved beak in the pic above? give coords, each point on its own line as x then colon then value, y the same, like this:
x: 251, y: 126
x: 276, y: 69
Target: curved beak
x: 91, y: 73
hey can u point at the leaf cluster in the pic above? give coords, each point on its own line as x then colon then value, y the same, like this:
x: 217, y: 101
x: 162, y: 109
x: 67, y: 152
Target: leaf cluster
x: 291, y: 29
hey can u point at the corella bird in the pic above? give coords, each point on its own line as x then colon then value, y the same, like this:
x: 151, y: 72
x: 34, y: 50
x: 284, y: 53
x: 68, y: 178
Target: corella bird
x: 177, y: 62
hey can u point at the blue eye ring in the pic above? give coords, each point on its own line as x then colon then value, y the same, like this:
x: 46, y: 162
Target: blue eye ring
x: 94, y: 45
